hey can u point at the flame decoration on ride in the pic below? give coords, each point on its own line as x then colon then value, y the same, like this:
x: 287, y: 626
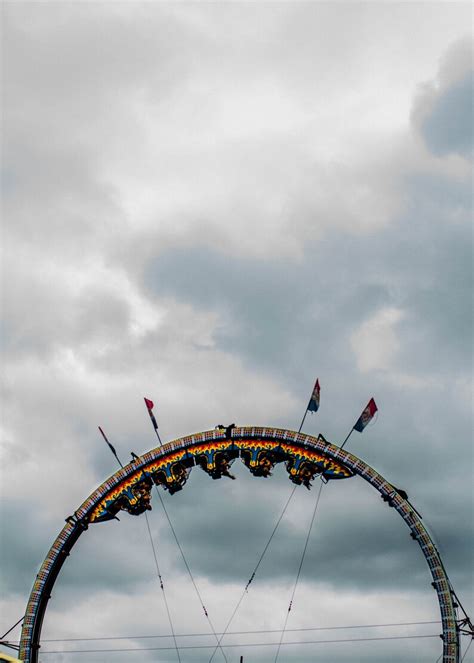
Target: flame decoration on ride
x: 133, y: 494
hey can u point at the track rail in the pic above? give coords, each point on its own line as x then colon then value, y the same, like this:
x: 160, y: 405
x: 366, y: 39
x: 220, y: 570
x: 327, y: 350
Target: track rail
x: 332, y: 462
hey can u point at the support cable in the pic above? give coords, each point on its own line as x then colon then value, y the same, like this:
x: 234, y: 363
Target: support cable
x: 218, y: 646
x: 153, y: 420
x: 299, y: 570
x: 254, y: 572
x: 233, y: 646
x: 254, y: 632
x: 162, y: 587
x: 112, y: 449
x: 11, y: 629
x: 467, y: 649
x: 10, y: 645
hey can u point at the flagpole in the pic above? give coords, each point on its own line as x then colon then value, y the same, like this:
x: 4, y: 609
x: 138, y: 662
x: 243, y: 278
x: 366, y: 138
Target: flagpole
x: 149, y: 406
x: 342, y: 445
x: 301, y: 424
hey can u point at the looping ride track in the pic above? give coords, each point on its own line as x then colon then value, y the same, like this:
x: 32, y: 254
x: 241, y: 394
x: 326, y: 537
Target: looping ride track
x: 260, y: 449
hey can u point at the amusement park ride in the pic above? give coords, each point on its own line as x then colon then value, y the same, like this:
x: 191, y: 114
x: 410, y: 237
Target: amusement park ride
x: 167, y: 467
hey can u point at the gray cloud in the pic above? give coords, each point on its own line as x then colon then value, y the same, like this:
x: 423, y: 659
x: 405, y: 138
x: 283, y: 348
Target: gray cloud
x: 212, y: 217
x: 448, y: 127
x: 265, y: 304
x: 444, y: 108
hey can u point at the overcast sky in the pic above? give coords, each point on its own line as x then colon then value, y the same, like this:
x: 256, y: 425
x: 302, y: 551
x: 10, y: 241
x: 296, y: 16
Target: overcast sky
x: 212, y: 204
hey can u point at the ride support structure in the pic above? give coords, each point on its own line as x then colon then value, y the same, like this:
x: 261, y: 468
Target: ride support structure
x: 260, y: 449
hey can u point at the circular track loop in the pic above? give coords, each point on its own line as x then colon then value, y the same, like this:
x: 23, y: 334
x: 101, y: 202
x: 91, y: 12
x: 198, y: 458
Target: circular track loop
x: 214, y: 451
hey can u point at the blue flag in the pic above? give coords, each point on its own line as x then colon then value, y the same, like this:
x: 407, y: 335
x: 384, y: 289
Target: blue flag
x: 313, y: 405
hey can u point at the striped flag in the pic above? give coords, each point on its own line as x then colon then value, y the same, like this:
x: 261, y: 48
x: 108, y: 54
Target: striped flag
x: 366, y: 416
x: 149, y: 406
x: 313, y: 405
x: 112, y: 448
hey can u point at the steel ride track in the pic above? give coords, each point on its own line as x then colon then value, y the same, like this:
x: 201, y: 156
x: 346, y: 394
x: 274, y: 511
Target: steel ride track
x: 306, y: 456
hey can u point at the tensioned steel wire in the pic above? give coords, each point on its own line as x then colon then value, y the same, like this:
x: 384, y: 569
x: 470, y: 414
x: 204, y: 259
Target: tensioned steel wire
x: 253, y: 573
x: 254, y: 644
x: 218, y: 646
x: 299, y: 570
x: 260, y: 559
x: 254, y: 632
x: 12, y: 627
x: 467, y: 649
x: 155, y: 556
x: 182, y: 555
x: 162, y: 587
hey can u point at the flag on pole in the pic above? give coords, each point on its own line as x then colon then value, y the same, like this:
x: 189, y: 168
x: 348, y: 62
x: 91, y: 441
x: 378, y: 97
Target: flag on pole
x: 313, y: 405
x: 112, y: 449
x: 366, y: 416
x: 149, y: 406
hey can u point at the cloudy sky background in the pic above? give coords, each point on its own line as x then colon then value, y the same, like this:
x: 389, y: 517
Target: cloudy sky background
x: 211, y: 205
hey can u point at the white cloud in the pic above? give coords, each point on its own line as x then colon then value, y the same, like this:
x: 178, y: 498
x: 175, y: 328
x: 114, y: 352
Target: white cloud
x: 375, y: 343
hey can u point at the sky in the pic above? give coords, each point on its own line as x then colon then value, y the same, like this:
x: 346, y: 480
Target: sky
x: 211, y: 205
